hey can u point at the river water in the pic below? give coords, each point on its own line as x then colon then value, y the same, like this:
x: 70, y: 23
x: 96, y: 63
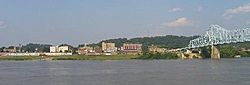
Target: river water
x: 131, y: 72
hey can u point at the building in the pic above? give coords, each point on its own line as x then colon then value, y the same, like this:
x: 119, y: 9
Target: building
x: 60, y: 49
x: 132, y: 49
x: 108, y: 47
x: 64, y: 49
x: 85, y: 50
x: 98, y: 50
x: 35, y: 54
x: 12, y: 49
x: 54, y: 49
x: 155, y: 49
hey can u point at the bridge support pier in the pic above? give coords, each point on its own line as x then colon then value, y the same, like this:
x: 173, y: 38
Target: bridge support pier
x: 215, y: 53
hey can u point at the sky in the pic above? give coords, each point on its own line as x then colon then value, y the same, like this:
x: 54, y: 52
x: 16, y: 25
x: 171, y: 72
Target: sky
x: 89, y: 21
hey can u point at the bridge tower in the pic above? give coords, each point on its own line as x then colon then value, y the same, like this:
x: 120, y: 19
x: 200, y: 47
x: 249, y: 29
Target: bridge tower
x: 215, y: 53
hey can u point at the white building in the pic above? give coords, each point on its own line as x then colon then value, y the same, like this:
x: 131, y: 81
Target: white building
x: 56, y: 49
x: 64, y: 49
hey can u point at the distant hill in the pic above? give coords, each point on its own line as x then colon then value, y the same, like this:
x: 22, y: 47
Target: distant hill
x: 31, y: 47
x: 169, y: 41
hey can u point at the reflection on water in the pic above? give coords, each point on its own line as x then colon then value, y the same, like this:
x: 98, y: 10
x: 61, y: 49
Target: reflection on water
x: 133, y: 72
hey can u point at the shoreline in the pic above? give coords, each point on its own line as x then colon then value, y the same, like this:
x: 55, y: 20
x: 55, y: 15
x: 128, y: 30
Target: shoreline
x: 73, y: 57
x: 82, y: 58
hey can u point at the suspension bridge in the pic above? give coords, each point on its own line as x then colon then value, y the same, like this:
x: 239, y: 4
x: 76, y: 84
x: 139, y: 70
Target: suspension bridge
x: 218, y: 35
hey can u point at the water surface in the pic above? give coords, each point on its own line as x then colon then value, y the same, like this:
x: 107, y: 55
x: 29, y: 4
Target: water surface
x: 132, y: 72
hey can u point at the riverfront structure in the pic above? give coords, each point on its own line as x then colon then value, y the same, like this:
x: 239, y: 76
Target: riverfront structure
x: 154, y: 49
x: 109, y: 47
x: 217, y: 35
x: 132, y: 49
x: 55, y: 49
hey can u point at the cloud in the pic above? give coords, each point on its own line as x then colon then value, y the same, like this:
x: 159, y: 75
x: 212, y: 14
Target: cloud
x: 175, y: 10
x: 2, y: 24
x: 241, y: 9
x: 183, y: 21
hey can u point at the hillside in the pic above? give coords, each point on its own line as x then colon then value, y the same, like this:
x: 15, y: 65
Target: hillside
x: 31, y: 47
x: 169, y: 41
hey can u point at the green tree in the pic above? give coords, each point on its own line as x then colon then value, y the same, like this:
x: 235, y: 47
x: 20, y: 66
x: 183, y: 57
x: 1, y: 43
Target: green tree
x: 31, y: 47
x: 166, y: 55
x: 228, y: 51
x: 206, y: 52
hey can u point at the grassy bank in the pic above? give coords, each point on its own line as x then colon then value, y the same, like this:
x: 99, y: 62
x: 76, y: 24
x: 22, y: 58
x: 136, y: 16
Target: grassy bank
x: 158, y: 56
x: 73, y: 57
x: 101, y: 57
x: 20, y: 58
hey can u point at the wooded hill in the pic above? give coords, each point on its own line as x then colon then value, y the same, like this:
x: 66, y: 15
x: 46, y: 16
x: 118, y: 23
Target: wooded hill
x: 168, y: 41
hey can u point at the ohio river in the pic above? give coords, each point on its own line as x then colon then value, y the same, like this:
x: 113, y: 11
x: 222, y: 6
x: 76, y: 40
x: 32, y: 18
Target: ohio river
x: 131, y: 72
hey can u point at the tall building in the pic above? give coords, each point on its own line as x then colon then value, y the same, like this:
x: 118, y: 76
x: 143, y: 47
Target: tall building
x: 54, y: 49
x: 108, y: 47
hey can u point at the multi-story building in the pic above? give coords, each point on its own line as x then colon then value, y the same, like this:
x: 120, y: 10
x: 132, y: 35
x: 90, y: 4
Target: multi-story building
x: 108, y: 47
x: 132, y: 48
x: 54, y: 49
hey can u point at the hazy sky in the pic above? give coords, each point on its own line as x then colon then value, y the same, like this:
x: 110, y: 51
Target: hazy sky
x: 87, y: 21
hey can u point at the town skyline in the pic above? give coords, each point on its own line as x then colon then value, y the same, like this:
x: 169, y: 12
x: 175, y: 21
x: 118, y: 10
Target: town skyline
x: 86, y: 21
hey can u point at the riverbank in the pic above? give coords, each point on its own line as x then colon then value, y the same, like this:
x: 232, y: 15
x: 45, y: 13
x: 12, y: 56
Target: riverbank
x: 85, y: 57
x: 73, y: 57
